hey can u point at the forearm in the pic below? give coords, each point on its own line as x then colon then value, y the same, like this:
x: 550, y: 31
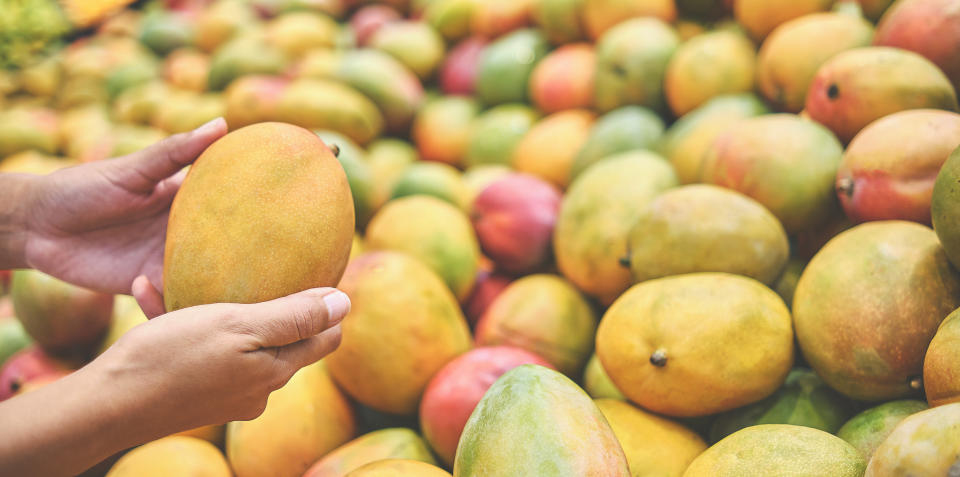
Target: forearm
x: 15, y: 193
x: 65, y: 427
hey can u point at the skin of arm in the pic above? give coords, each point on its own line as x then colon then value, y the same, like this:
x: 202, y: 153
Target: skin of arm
x: 102, y: 226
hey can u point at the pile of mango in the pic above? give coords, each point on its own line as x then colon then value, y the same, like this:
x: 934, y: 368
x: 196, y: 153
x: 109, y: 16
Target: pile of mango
x: 593, y: 237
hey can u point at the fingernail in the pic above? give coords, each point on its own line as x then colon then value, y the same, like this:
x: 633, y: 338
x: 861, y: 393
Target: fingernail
x: 210, y: 126
x: 338, y: 305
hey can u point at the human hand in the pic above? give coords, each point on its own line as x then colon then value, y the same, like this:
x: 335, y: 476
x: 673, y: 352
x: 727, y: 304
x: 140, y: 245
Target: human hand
x: 205, y: 365
x: 102, y: 224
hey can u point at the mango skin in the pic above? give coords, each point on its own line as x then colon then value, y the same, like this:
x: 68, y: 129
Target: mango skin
x: 399, y: 468
x: 434, y: 232
x: 794, y: 179
x: 600, y: 207
x: 396, y: 91
x: 623, y: 129
x: 867, y: 430
x: 928, y: 27
x: 442, y: 181
x: 386, y: 363
x: 654, y: 446
x: 779, y: 449
x: 242, y: 185
x: 760, y: 17
x: 941, y: 380
x: 943, y: 210
x: 269, y: 446
x: 496, y: 133
x: 597, y: 383
x: 353, y: 159
x: 543, y: 314
x: 564, y: 79
x: 708, y: 65
x: 632, y: 60
x: 705, y: 228
x: 889, y: 169
x: 172, y: 456
x: 390, y: 443
x: 59, y: 316
x: 441, y: 128
x: 13, y: 338
x: 859, y: 86
x: 413, y: 43
x: 598, y: 16
x: 803, y: 400
x: 684, y: 319
x: 926, y: 443
x: 505, y: 67
x: 550, y: 146
x: 868, y: 305
x: 791, y: 56
x: 326, y: 104
x: 536, y: 421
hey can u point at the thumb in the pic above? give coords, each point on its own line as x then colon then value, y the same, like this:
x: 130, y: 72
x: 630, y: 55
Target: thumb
x: 143, y: 170
x: 148, y: 297
x: 296, y: 317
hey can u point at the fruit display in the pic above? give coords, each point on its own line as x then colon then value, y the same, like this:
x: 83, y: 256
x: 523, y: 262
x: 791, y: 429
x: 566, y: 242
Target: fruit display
x: 672, y: 238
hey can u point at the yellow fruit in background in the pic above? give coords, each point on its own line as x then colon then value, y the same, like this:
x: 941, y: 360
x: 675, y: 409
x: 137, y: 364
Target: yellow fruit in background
x: 170, y: 456
x: 708, y: 65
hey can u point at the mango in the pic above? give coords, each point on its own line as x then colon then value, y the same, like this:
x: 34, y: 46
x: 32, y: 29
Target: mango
x: 244, y: 55
x: 386, y: 363
x: 359, y: 175
x: 296, y: 33
x: 441, y: 128
x: 760, y: 17
x: 441, y: 181
x: 13, y: 338
x: 889, y: 169
x: 859, y: 86
x: 653, y: 445
x: 548, y: 149
x: 455, y: 391
x: 139, y: 104
x: 944, y: 214
x: 632, y: 60
x: 493, y: 18
x: 24, y: 129
x: 535, y: 421
x: 709, y: 65
x: 654, y: 342
x: 164, y: 31
x: 803, y: 400
x: 791, y: 56
x: 505, y: 67
x: 31, y: 364
x: 415, y: 44
x: 433, y: 231
x: 398, y: 468
x: 597, y: 383
x: 704, y: 228
x: 779, y: 449
x: 269, y: 446
x: 391, y: 86
x: 273, y: 173
x: 687, y: 139
x: 460, y: 69
x: 391, y: 443
x: 42, y: 78
x: 927, y: 27
x: 596, y: 215
x: 623, y: 129
x: 559, y: 20
x: 868, y: 304
x: 253, y: 99
x: 794, y: 179
x: 219, y: 22
x: 867, y: 430
x: 388, y: 159
x: 59, y: 316
x: 926, y: 443
x: 564, y: 79
x: 370, y: 18
x: 172, y: 456
x: 187, y: 69
x: 126, y: 315
x: 450, y: 18
x: 185, y: 111
x: 325, y: 104
x: 601, y: 15
x: 477, y: 178
x: 514, y: 218
x: 496, y: 133
x: 543, y: 314
x: 940, y: 381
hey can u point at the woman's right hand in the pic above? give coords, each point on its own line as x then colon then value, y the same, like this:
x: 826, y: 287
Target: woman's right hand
x: 197, y: 366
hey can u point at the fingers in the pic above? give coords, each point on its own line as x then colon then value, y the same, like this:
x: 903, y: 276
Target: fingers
x: 296, y: 317
x: 312, y: 349
x: 148, y: 297
x: 143, y: 170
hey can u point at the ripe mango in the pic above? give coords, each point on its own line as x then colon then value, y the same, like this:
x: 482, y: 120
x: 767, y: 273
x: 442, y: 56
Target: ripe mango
x: 940, y: 379
x: 394, y: 89
x: 536, y: 421
x: 385, y: 362
x: 325, y: 104
x: 413, y: 43
x: 442, y: 181
x: 623, y: 129
x: 564, y: 79
x: 399, y: 468
x: 390, y: 443
x: 632, y: 60
x: 926, y: 443
x: 597, y: 383
x: 176, y: 455
x: 600, y: 15
x: 760, y: 17
x: 867, y: 430
x: 269, y: 186
x: 550, y: 146
x: 272, y: 446
x: 442, y: 128
x: 708, y: 65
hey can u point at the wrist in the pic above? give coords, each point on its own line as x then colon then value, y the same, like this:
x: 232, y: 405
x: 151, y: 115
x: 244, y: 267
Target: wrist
x: 16, y: 202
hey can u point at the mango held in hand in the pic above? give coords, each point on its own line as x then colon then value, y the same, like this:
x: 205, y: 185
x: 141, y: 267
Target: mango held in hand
x: 265, y: 211
x: 535, y: 421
